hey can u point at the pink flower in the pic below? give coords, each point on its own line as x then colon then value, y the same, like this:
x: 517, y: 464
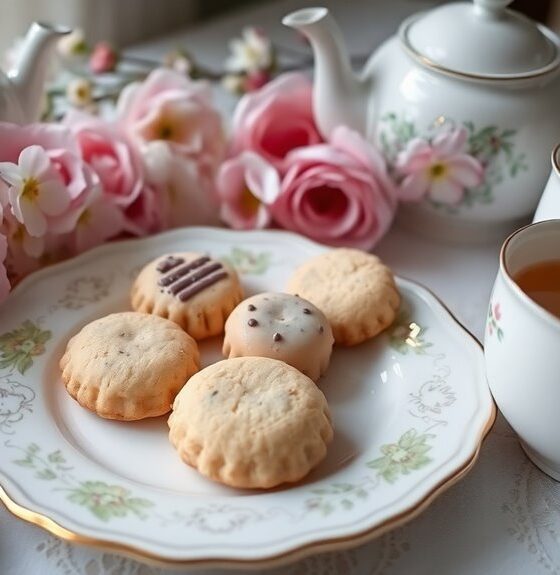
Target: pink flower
x: 42, y: 158
x: 440, y: 169
x: 4, y: 281
x: 111, y: 156
x: 37, y: 191
x: 171, y: 107
x: 256, y: 80
x: 184, y: 196
x: 337, y: 193
x: 247, y: 185
x: 104, y: 58
x: 276, y: 119
x: 497, y: 312
x: 99, y: 221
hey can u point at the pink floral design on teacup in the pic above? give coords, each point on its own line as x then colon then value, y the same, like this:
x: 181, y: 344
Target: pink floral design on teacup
x: 494, y: 317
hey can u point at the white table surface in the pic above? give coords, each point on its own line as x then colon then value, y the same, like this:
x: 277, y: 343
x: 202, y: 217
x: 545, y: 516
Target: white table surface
x: 503, y: 518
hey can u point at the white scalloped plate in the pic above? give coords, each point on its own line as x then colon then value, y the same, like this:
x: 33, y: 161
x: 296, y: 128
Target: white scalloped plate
x: 410, y: 410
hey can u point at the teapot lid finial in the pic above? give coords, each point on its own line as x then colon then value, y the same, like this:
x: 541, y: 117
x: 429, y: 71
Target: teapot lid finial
x: 482, y: 39
x: 492, y: 5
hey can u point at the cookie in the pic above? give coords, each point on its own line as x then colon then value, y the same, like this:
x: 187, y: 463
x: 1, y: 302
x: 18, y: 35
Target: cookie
x: 191, y: 289
x: 128, y: 365
x: 251, y: 422
x: 280, y: 326
x: 354, y: 289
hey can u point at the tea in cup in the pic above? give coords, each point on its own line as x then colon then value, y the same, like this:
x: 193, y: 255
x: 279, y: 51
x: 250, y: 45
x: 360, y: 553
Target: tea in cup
x: 522, y: 341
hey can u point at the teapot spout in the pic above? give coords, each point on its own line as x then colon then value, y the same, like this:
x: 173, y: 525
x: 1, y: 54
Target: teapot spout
x: 29, y: 75
x: 339, y: 97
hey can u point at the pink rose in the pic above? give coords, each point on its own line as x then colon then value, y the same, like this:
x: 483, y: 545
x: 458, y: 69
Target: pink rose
x: 104, y: 58
x: 119, y: 167
x: 4, y: 281
x: 111, y: 156
x: 337, y: 193
x: 247, y: 186
x: 171, y: 107
x: 440, y: 169
x: 276, y: 119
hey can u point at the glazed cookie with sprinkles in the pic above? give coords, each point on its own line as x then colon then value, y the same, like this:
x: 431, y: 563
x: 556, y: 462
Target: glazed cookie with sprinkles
x: 191, y: 289
x: 355, y: 290
x: 280, y: 326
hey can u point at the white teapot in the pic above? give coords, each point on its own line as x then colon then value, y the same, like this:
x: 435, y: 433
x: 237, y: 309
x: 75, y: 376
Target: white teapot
x: 21, y: 91
x: 463, y: 102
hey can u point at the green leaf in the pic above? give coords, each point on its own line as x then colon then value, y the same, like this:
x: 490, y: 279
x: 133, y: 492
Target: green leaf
x: 46, y: 474
x: 43, y: 337
x: 138, y: 502
x: 56, y: 457
x: 24, y: 463
x: 33, y: 448
x: 7, y: 362
x: 24, y: 363
x: 101, y: 512
x: 347, y: 504
x: 78, y: 496
x: 377, y: 463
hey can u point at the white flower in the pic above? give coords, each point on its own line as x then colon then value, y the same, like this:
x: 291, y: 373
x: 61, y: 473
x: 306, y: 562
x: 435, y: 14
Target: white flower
x: 79, y: 92
x: 37, y: 191
x: 250, y: 53
x: 73, y: 44
x: 233, y: 83
x: 178, y: 61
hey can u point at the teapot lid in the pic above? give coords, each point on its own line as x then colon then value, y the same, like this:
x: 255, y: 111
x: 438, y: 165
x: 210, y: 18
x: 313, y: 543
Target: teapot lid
x: 481, y: 39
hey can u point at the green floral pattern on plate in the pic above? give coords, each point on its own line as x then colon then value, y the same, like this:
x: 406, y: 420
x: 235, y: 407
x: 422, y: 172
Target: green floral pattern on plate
x: 107, y: 501
x: 19, y: 346
x: 248, y: 262
x: 408, y: 454
x: 101, y: 499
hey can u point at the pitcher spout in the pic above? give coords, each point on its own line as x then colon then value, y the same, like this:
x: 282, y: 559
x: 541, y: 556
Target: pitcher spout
x: 339, y: 97
x: 29, y: 75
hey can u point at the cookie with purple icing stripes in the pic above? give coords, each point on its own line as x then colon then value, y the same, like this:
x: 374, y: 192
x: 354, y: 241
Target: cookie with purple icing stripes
x: 191, y: 289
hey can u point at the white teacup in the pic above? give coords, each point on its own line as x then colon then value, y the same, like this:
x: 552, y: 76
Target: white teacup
x: 549, y: 204
x: 522, y: 348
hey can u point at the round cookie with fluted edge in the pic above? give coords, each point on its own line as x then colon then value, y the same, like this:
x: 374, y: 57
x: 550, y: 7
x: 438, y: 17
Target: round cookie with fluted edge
x: 128, y: 365
x: 354, y: 289
x: 251, y: 422
x: 191, y: 289
x: 280, y: 326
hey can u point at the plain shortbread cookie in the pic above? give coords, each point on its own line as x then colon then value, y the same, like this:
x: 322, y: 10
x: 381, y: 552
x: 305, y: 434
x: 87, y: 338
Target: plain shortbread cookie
x: 251, y: 422
x: 128, y: 365
x: 354, y: 289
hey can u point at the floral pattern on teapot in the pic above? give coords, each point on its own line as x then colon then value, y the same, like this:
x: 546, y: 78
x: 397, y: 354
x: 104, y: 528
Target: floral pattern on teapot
x: 451, y: 165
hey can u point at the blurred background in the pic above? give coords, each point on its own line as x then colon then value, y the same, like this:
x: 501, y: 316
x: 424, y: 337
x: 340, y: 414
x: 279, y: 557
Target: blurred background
x: 126, y: 22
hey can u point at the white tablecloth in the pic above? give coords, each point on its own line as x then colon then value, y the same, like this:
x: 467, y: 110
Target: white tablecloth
x: 504, y: 517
